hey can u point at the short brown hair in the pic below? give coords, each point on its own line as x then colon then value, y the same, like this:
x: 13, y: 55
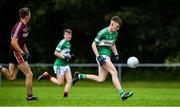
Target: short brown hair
x: 24, y: 12
x: 117, y: 19
x: 67, y: 30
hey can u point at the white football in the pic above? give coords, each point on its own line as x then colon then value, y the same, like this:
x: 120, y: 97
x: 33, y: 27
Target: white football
x: 132, y: 62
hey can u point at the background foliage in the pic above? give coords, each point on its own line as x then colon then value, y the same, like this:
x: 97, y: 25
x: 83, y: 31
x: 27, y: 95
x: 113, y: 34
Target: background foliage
x: 150, y: 28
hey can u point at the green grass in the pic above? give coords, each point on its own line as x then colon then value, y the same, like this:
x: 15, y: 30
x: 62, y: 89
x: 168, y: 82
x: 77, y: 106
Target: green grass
x: 12, y: 93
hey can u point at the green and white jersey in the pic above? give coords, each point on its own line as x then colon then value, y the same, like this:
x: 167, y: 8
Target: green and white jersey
x: 64, y: 47
x: 105, y: 40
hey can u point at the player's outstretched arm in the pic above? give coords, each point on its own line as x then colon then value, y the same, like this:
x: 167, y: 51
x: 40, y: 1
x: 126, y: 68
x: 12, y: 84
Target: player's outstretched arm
x: 94, y: 48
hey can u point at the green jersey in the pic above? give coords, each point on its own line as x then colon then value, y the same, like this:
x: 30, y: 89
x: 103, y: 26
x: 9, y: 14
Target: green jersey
x: 64, y: 48
x: 105, y: 40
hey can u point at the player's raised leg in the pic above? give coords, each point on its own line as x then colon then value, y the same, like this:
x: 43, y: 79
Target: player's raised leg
x: 75, y: 78
x: 102, y: 74
x: 10, y: 73
x: 45, y: 75
x: 13, y: 70
x: 5, y: 71
x: 59, y: 80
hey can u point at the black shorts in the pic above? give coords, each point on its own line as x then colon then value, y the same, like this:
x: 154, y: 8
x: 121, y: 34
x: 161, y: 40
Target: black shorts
x: 16, y: 58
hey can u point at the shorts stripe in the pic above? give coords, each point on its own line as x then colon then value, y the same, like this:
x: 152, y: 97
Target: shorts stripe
x: 19, y: 58
x: 58, y: 70
x: 61, y: 69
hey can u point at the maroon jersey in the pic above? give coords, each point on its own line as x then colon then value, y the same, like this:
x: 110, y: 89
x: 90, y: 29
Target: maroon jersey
x: 20, y: 31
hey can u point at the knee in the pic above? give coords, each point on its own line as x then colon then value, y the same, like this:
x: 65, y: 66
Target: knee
x: 69, y: 81
x: 114, y: 73
x: 100, y: 80
x: 29, y: 75
x: 59, y: 83
x: 11, y: 78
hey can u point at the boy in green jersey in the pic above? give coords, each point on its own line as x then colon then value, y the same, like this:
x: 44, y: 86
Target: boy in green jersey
x: 61, y: 67
x: 102, y: 46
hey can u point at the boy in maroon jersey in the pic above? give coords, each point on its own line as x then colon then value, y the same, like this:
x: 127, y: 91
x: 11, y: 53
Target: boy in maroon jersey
x: 19, y: 53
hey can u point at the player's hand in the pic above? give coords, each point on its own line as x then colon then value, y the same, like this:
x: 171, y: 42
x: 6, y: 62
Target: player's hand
x: 29, y: 55
x: 101, y: 60
x: 26, y: 56
x: 67, y: 57
x: 116, y: 58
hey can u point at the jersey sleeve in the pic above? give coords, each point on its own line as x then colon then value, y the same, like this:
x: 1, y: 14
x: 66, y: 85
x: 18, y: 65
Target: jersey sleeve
x: 98, y: 37
x: 59, y: 46
x: 17, y: 29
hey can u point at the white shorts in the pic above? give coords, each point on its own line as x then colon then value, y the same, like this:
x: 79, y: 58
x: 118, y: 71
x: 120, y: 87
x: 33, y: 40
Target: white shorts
x: 106, y: 58
x: 61, y: 69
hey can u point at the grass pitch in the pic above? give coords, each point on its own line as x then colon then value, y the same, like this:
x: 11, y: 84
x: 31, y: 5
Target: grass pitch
x: 86, y: 93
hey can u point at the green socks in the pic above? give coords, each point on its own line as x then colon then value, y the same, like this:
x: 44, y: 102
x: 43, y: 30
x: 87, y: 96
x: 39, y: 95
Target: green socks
x: 82, y: 76
x: 121, y: 92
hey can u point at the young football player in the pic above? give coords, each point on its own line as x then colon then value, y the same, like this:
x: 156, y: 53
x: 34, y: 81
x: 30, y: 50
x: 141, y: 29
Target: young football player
x: 102, y: 46
x: 61, y: 66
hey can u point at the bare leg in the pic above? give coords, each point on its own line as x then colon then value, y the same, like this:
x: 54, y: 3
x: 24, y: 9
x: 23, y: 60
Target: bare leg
x: 13, y: 71
x: 10, y: 73
x: 5, y: 72
x: 112, y: 70
x: 25, y: 68
x: 59, y: 80
x: 68, y: 84
x: 102, y: 74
